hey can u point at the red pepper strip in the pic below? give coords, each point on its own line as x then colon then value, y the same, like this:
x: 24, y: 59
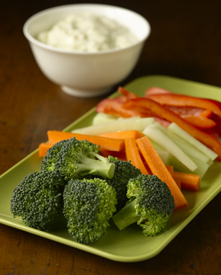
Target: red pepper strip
x: 186, y: 110
x: 206, y: 113
x: 213, y: 132
x: 156, y: 90
x: 126, y: 93
x: 217, y: 119
x: 161, y: 111
x: 184, y: 100
x: 113, y: 106
x: 200, y: 122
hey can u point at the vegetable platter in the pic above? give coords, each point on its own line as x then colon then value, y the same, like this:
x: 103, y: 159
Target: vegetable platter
x: 128, y: 245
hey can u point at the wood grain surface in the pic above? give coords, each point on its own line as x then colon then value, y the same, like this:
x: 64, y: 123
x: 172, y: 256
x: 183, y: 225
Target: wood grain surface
x: 185, y: 42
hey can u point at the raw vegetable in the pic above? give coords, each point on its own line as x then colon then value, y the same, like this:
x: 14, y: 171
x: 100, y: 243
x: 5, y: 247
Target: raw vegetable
x: 37, y: 199
x: 200, y: 122
x: 78, y: 158
x: 156, y: 90
x: 126, y: 93
x: 188, y: 181
x: 133, y: 123
x: 173, y: 127
x: 158, y: 168
x: 133, y: 155
x: 165, y: 113
x: 124, y: 171
x: 184, y: 144
x: 106, y: 143
x: 113, y: 106
x: 201, y: 169
x: 124, y: 134
x: 173, y: 99
x: 88, y: 207
x: 165, y: 142
x: 43, y: 148
x: 150, y: 205
x: 101, y: 118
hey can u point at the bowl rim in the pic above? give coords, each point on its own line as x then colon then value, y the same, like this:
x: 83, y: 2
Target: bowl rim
x: 36, y: 42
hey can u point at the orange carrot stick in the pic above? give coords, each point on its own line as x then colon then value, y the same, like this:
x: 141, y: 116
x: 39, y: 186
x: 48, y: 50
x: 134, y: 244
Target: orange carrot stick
x: 170, y: 169
x: 177, y: 180
x: 188, y: 181
x: 106, y: 143
x: 159, y: 169
x: 132, y: 154
x: 43, y: 148
x: 121, y: 155
x: 123, y: 134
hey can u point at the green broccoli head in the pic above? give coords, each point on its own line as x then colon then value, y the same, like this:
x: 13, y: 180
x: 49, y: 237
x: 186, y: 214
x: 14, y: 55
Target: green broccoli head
x: 151, y: 205
x: 78, y: 158
x: 124, y: 171
x: 49, y: 160
x: 38, y: 199
x: 88, y: 206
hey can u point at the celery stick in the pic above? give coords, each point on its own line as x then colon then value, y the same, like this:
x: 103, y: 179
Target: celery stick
x: 173, y: 127
x: 122, y: 124
x: 163, y: 154
x: 100, y: 118
x: 188, y: 148
x: 201, y: 169
x: 159, y: 137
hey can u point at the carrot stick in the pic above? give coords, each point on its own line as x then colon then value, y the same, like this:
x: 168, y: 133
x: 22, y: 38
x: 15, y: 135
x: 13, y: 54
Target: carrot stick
x: 170, y: 169
x: 132, y: 154
x: 106, y: 143
x: 188, y: 181
x: 43, y: 147
x: 177, y: 180
x: 159, y: 169
x: 123, y: 134
x: 121, y: 155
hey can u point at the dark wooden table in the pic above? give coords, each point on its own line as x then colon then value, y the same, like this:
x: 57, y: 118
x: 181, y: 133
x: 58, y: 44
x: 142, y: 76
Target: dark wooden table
x: 185, y: 42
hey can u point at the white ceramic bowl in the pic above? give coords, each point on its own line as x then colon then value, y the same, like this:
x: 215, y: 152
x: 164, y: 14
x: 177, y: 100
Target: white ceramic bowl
x: 86, y: 74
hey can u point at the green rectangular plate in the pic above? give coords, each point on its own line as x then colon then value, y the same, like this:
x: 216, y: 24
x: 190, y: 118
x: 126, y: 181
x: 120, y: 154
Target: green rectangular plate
x: 128, y: 245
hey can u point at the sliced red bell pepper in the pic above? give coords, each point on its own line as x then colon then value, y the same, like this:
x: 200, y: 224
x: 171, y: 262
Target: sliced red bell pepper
x: 200, y: 122
x: 185, y: 100
x: 113, y: 106
x: 156, y: 90
x: 187, y: 110
x: 126, y: 93
x: 162, y: 112
x: 206, y: 113
x: 217, y: 119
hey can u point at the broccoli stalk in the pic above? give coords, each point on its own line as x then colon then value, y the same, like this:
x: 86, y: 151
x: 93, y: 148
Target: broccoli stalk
x: 126, y: 216
x: 87, y: 165
x: 78, y: 158
x: 150, y: 205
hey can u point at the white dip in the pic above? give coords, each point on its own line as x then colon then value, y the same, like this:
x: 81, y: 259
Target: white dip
x: 87, y: 33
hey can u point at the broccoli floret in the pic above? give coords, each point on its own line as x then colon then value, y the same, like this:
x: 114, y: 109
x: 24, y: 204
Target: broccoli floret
x: 49, y: 160
x: 151, y: 205
x: 88, y: 206
x: 38, y: 199
x: 124, y: 171
x: 78, y: 158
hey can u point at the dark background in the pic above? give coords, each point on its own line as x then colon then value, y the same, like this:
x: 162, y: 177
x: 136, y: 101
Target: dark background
x: 185, y: 42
